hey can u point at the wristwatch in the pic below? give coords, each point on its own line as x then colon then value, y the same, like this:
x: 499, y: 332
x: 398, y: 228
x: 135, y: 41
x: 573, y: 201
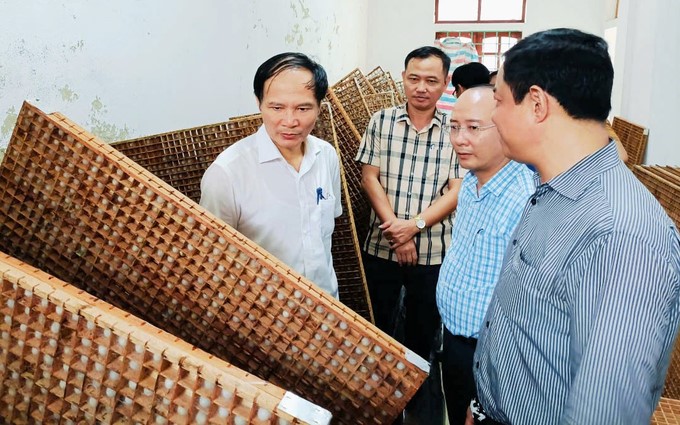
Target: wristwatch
x: 420, y: 223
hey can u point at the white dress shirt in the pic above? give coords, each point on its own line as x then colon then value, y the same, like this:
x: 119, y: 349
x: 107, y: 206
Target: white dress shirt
x: 289, y: 213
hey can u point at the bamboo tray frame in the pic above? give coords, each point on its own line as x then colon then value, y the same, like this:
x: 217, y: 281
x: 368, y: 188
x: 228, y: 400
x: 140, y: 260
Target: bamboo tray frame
x: 68, y: 356
x: 667, y: 412
x: 75, y: 207
x: 634, y: 139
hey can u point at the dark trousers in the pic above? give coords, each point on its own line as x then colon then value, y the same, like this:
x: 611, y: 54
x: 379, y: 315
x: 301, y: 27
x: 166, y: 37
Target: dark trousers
x: 421, y: 317
x: 417, y: 319
x: 457, y: 376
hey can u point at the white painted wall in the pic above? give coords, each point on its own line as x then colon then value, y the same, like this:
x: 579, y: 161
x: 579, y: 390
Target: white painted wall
x: 650, y: 87
x: 129, y: 68
x: 399, y: 26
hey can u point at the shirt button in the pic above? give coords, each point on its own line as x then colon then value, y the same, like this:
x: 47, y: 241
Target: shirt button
x: 477, y: 365
x: 487, y: 323
x: 533, y: 201
x: 514, y: 242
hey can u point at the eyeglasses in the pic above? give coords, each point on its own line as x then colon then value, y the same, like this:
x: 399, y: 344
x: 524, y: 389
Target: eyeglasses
x: 473, y: 130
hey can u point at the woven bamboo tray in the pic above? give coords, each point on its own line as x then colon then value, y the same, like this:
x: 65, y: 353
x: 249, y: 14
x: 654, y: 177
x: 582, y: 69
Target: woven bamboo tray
x: 349, y: 140
x: 382, y: 82
x: 181, y: 157
x: 378, y: 101
x: 664, y: 190
x: 346, y: 249
x: 400, y: 91
x: 633, y: 138
x: 68, y: 356
x: 348, y: 91
x: 667, y: 412
x: 77, y: 208
x: 204, y: 144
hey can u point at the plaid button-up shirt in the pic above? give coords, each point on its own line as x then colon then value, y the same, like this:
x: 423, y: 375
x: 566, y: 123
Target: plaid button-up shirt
x: 415, y: 168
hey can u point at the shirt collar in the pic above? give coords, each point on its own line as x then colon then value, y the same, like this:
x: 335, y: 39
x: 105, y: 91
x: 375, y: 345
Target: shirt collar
x: 573, y: 182
x: 500, y: 181
x: 267, y: 150
x: 439, y: 118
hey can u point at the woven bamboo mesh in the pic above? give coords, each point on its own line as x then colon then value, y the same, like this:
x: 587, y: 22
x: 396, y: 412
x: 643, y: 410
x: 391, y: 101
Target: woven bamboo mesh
x: 346, y: 250
x: 382, y: 82
x: 664, y: 184
x: 348, y: 91
x: 77, y: 208
x: 67, y: 357
x: 376, y: 102
x: 348, y: 142
x: 400, y: 90
x: 667, y: 412
x: 189, y: 144
x: 633, y: 138
x: 181, y: 157
x: 665, y: 188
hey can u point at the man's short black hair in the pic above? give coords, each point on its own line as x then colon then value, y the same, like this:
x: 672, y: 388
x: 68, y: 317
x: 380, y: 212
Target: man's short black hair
x: 572, y: 66
x: 427, y: 51
x: 289, y: 60
x: 470, y: 75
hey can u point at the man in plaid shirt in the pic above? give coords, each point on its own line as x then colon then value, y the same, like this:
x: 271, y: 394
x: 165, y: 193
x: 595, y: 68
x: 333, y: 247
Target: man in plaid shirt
x: 410, y: 176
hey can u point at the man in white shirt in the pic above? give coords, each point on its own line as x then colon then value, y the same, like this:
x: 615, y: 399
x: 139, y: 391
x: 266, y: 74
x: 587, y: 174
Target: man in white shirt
x: 280, y: 187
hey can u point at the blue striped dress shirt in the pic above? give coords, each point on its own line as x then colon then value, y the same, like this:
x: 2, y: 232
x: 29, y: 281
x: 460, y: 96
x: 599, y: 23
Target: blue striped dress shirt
x: 582, y: 321
x: 484, y: 224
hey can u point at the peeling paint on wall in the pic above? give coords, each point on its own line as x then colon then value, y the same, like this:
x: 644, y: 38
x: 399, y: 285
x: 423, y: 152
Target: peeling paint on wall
x: 78, y: 46
x: 8, y: 123
x: 99, y: 127
x: 303, y: 9
x: 68, y: 95
x: 295, y: 36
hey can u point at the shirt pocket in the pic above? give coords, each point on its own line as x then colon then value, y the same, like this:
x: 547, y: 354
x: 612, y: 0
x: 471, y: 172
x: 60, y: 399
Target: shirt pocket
x: 326, y: 216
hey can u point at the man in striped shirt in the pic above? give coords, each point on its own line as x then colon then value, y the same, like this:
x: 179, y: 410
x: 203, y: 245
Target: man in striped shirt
x: 490, y: 202
x: 410, y: 176
x: 582, y: 321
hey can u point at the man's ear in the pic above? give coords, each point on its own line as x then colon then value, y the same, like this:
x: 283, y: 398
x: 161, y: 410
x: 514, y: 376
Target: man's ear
x: 540, y: 103
x: 259, y: 106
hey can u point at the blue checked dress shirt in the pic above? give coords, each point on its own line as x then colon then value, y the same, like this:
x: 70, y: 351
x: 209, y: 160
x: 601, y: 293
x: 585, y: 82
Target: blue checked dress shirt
x: 582, y: 322
x: 481, y: 232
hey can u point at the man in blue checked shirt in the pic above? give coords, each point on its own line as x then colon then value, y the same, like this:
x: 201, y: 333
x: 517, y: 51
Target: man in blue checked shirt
x: 583, y: 319
x: 490, y: 202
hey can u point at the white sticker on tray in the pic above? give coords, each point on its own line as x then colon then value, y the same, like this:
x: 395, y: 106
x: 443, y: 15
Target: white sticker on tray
x: 304, y: 410
x: 417, y: 360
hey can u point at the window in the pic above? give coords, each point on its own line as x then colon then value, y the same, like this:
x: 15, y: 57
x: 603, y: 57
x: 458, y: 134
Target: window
x: 451, y: 11
x: 490, y: 45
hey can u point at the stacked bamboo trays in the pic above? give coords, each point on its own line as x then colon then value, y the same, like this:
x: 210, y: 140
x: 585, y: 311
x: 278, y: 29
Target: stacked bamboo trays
x: 383, y: 82
x: 75, y: 207
x: 664, y: 184
x: 346, y: 251
x: 68, y: 357
x: 199, y: 146
x: 351, y: 115
x: 633, y: 137
x: 667, y: 412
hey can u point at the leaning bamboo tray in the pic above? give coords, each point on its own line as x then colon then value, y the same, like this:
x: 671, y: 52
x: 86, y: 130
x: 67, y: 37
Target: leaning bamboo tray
x: 75, y: 207
x: 181, y: 157
x: 68, y: 356
x: 633, y: 137
x: 349, y: 140
x: 667, y: 412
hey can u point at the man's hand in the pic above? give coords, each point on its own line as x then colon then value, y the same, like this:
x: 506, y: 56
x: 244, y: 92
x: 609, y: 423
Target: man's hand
x: 407, y: 254
x: 399, y: 231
